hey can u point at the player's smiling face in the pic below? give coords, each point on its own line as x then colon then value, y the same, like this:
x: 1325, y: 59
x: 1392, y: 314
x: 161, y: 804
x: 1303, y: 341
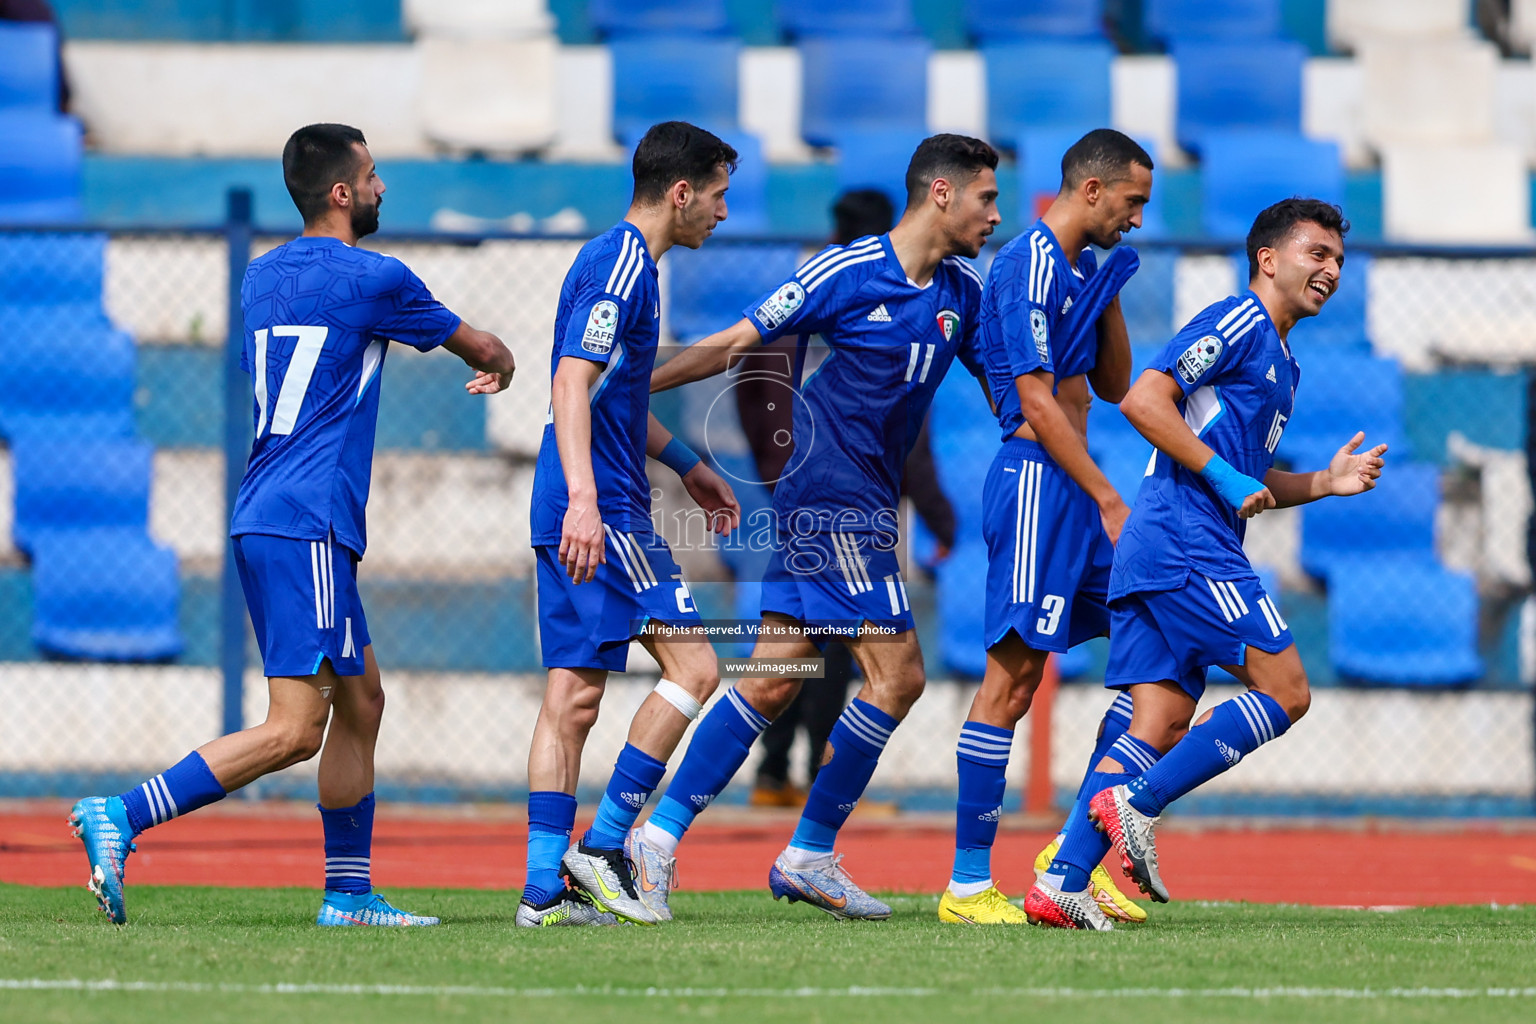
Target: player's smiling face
x: 1307, y: 266
x: 703, y: 209
x: 1119, y: 206
x: 973, y: 214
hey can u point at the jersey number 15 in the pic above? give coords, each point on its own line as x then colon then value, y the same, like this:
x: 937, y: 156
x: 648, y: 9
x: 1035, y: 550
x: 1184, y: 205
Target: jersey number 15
x: 301, y: 367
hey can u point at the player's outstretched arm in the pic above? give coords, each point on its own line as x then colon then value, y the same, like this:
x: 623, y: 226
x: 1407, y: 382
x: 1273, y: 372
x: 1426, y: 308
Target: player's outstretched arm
x: 1152, y: 406
x: 706, y: 357
x: 704, y: 485
x: 485, y: 353
x: 581, y: 534
x: 1350, y: 471
x: 1110, y: 377
x: 1065, y: 444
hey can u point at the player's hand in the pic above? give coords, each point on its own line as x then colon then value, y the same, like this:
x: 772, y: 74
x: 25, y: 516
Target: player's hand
x: 714, y: 495
x: 581, y: 541
x: 1255, y: 503
x: 1351, y: 471
x: 489, y: 383
x: 1113, y: 515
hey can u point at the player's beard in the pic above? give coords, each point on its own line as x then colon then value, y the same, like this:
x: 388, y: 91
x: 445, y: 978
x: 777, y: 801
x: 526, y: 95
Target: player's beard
x: 365, y: 219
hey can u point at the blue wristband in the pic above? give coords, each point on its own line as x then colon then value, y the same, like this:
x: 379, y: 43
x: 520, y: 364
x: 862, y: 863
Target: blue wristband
x: 678, y: 457
x: 1233, y: 486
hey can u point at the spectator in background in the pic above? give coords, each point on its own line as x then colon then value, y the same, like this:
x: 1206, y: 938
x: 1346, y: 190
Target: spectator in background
x: 39, y: 11
x: 767, y: 424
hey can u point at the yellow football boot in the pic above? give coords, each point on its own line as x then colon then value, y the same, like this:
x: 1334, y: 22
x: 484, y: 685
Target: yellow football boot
x: 1117, y: 905
x: 989, y: 907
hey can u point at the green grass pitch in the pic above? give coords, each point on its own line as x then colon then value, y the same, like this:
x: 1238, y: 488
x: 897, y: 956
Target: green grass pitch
x: 212, y: 955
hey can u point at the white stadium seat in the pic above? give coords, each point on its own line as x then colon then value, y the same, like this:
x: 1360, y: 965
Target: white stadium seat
x: 488, y: 94
x: 1428, y: 91
x: 1464, y: 194
x: 1353, y: 22
x: 478, y: 19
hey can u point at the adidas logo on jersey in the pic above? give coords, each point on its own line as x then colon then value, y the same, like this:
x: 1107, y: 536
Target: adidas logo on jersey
x: 848, y: 808
x: 995, y: 814
x: 1230, y: 755
x: 635, y: 800
x: 700, y: 800
x: 880, y: 316
x: 1270, y: 376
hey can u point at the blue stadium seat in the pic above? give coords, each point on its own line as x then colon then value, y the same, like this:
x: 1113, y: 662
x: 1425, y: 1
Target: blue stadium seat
x: 1146, y: 301
x: 105, y: 595
x: 707, y: 290
x: 1245, y: 171
x: 79, y: 484
x: 1237, y: 84
x: 1397, y: 517
x: 961, y: 578
x: 989, y: 20
x: 1168, y: 20
x: 1403, y: 621
x: 863, y: 84
x: 1342, y: 391
x: 29, y: 67
x: 40, y: 160
x: 802, y: 19
x: 616, y: 18
x: 877, y: 159
x: 50, y: 269
x: 673, y: 78
x: 61, y: 378
x: 1046, y: 84
x: 963, y: 436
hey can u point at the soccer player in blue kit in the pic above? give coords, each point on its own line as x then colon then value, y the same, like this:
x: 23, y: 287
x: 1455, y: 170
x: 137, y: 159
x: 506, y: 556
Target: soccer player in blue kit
x: 604, y: 576
x: 1050, y: 328
x: 1214, y: 404
x: 896, y: 310
x: 319, y: 316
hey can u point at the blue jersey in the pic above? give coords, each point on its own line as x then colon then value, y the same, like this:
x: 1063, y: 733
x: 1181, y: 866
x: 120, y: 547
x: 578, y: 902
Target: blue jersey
x: 1239, y: 383
x: 319, y: 316
x: 892, y: 342
x: 1030, y: 288
x: 609, y: 313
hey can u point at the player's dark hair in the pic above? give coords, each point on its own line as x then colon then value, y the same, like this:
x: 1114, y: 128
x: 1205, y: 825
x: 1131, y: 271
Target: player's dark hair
x: 1274, y: 223
x: 956, y: 158
x: 674, y: 151
x: 1104, y: 154
x: 316, y: 157
x: 859, y: 212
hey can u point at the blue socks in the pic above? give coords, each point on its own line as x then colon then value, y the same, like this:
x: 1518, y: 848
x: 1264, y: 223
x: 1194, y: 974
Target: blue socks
x: 982, y: 759
x: 857, y: 739
x: 1084, y: 846
x: 1116, y: 720
x: 719, y: 748
x: 180, y: 789
x: 1236, y: 728
x: 348, y: 847
x: 636, y: 775
x: 551, y: 816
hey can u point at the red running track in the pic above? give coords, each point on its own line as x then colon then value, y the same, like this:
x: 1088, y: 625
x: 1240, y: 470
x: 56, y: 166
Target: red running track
x: 1348, y: 864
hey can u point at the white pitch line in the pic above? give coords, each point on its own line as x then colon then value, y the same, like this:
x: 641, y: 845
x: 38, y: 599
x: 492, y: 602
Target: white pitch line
x: 856, y: 992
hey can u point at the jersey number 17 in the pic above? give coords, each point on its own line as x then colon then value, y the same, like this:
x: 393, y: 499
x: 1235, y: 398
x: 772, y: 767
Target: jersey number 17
x: 301, y: 367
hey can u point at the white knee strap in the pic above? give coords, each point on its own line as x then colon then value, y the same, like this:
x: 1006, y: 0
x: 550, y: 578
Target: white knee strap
x: 679, y: 698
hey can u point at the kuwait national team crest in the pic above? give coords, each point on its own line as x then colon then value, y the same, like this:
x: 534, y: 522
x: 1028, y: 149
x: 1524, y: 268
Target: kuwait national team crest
x: 949, y: 323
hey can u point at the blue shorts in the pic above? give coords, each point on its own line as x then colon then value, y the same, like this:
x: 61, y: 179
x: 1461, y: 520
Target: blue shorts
x: 590, y: 625
x: 304, y: 605
x: 833, y: 582
x: 1048, y: 558
x: 1176, y: 635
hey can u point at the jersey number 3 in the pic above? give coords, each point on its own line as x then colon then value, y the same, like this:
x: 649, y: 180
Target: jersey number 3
x: 301, y: 367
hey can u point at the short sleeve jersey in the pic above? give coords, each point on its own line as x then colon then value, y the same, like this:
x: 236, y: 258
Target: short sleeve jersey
x: 1239, y: 381
x: 1030, y: 288
x: 859, y: 413
x: 319, y: 316
x: 609, y: 313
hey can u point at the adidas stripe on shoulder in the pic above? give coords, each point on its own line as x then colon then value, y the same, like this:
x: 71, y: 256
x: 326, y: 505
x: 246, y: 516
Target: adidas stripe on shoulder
x: 626, y: 268
x: 834, y: 260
